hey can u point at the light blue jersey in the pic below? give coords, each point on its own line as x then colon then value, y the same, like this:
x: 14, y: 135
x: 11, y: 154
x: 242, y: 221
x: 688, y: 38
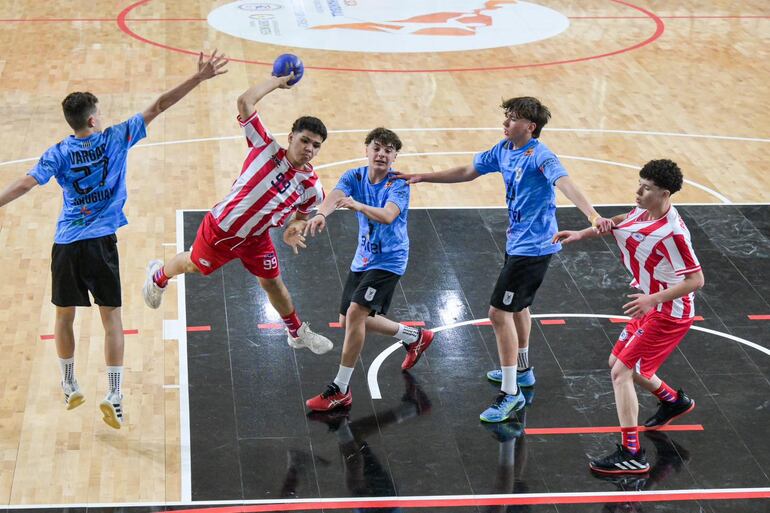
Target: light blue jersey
x: 530, y: 174
x: 380, y: 246
x: 92, y: 175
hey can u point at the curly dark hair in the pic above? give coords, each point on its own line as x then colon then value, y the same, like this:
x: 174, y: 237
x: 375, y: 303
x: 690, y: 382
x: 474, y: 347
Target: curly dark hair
x: 78, y: 107
x: 310, y: 124
x: 664, y: 173
x: 385, y: 137
x: 529, y: 108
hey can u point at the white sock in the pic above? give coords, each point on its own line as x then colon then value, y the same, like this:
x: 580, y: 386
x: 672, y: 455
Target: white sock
x: 114, y: 379
x: 343, y: 378
x: 509, y: 380
x: 407, y: 334
x: 523, y: 361
x: 67, y: 366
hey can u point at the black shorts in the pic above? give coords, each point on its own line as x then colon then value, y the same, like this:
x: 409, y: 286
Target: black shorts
x: 518, y: 282
x: 84, y: 266
x: 373, y: 289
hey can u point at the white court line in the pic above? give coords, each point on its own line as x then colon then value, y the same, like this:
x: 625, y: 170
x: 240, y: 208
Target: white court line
x: 600, y: 496
x: 374, y: 369
x: 714, y: 193
x: 447, y: 129
x: 184, y: 390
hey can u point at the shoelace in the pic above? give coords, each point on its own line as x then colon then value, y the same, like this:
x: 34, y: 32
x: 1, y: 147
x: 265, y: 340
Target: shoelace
x: 331, y: 389
x: 499, y: 399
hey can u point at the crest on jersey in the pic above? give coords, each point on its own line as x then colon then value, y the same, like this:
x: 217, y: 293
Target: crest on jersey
x: 638, y: 237
x: 623, y: 335
x: 389, y: 184
x: 300, y: 189
x: 204, y: 262
x: 507, y: 298
x: 529, y: 152
x: 370, y: 292
x: 639, y: 332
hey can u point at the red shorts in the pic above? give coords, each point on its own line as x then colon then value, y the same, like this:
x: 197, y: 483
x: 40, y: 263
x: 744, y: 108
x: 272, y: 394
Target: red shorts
x: 213, y: 248
x: 644, y: 344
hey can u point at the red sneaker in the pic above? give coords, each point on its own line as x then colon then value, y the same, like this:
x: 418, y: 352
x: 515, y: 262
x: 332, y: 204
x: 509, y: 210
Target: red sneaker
x: 415, y: 349
x: 330, y: 399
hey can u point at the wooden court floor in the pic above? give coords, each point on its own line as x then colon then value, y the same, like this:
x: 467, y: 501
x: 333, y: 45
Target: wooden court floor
x: 685, y: 80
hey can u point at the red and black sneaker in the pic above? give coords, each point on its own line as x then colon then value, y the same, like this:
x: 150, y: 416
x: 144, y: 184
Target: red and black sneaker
x: 670, y: 411
x: 622, y: 461
x: 330, y: 399
x: 415, y: 349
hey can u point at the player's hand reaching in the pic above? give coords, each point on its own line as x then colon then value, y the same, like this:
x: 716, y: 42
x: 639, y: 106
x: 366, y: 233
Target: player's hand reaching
x: 410, y: 178
x: 212, y: 66
x: 348, y: 202
x: 566, y: 236
x: 316, y: 225
x: 293, y: 235
x: 641, y: 304
x: 602, y: 224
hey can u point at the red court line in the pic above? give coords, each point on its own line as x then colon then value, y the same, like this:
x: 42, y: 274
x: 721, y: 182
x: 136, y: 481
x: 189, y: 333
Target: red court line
x: 659, y: 29
x: 198, y: 328
x: 759, y: 317
x: 335, y: 325
x: 125, y: 332
x: 549, y: 322
x: 483, y: 323
x: 405, y: 323
x: 605, y: 429
x: 519, y: 499
x: 616, y: 320
x: 270, y: 326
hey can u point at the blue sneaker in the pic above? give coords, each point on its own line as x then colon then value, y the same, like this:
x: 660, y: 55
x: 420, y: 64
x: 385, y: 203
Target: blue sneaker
x: 502, y: 407
x: 523, y: 379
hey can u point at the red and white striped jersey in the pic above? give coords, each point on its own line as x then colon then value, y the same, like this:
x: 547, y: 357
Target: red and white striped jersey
x: 268, y: 189
x: 658, y: 253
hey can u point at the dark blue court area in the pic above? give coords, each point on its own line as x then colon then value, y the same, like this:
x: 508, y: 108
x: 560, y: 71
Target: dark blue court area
x: 253, y: 439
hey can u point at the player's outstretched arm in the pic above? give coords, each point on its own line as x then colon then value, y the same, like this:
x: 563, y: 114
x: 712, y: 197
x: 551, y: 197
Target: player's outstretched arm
x: 318, y: 222
x: 382, y: 215
x: 576, y: 196
x: 453, y: 175
x: 17, y: 188
x: 207, y: 68
x: 249, y: 99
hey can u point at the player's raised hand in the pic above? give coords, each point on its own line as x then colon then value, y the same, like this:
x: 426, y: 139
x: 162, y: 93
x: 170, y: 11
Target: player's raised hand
x: 410, y: 178
x: 315, y: 226
x: 293, y: 235
x: 212, y: 66
x: 566, y: 236
x: 283, y: 82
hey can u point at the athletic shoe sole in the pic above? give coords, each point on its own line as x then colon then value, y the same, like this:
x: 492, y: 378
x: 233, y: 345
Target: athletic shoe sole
x: 110, y: 417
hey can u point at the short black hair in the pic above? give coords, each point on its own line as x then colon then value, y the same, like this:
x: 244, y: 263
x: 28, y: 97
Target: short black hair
x: 385, y: 137
x: 78, y: 107
x: 529, y: 108
x: 664, y: 173
x: 310, y: 124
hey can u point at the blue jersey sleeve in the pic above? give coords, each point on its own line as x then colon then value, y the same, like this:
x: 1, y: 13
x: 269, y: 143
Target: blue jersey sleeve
x: 347, y: 182
x: 47, y: 166
x: 398, y: 194
x: 487, y: 161
x: 131, y: 131
x: 550, y: 165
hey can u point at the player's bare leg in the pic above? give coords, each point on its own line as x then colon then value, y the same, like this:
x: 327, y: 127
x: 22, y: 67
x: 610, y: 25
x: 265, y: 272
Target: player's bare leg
x: 114, y: 345
x: 64, y: 336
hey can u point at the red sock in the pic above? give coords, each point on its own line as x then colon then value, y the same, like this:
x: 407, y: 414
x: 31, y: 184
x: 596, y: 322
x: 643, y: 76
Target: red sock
x: 160, y: 278
x: 292, y: 322
x: 666, y: 393
x: 630, y: 438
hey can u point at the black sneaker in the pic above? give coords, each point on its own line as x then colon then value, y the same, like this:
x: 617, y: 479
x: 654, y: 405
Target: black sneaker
x: 670, y: 411
x: 621, y: 461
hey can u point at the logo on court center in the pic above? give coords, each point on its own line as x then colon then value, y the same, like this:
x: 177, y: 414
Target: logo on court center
x: 390, y: 27
x: 370, y: 292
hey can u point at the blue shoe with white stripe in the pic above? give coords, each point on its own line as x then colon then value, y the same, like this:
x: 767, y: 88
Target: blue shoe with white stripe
x: 523, y: 379
x: 503, y: 407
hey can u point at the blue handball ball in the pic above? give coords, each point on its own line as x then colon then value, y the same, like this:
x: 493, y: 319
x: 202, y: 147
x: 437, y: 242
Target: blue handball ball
x: 287, y: 63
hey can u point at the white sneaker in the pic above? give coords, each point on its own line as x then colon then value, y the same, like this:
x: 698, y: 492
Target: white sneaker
x: 72, y: 395
x: 112, y: 410
x: 151, y: 292
x: 310, y: 339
